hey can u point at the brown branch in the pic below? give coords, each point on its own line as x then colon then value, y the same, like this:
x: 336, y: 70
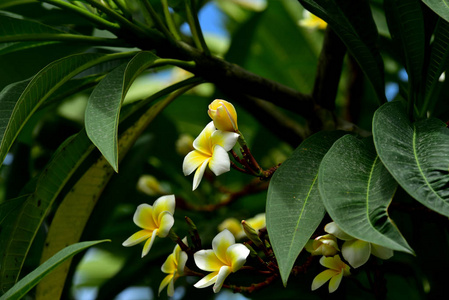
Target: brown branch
x: 253, y: 187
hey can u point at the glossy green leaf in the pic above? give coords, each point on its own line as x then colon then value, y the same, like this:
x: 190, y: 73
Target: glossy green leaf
x: 294, y: 207
x: 357, y: 189
x: 40, y: 88
x: 416, y: 154
x: 76, y: 208
x: 440, y: 7
x: 352, y: 21
x: 19, y: 232
x: 406, y: 25
x: 103, y: 108
x: 19, y: 290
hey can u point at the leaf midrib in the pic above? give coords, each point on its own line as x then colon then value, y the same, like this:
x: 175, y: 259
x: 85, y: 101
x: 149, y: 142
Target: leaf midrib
x: 415, y: 155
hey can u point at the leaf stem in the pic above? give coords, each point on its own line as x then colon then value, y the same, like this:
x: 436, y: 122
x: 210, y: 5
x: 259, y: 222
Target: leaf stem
x: 187, y: 65
x: 195, y: 27
x: 157, y: 21
x: 117, y: 17
x: 64, y: 37
x: 102, y: 23
x: 169, y: 20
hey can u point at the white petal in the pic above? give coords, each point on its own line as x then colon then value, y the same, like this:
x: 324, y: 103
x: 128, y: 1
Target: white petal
x: 143, y: 217
x: 166, y: 222
x: 203, y: 141
x: 237, y: 255
x: 334, y: 283
x: 137, y: 238
x: 199, y: 174
x: 221, y: 243
x: 225, y: 139
x: 192, y: 161
x: 164, y: 283
x: 220, y: 162
x: 356, y: 252
x: 322, y: 278
x: 381, y: 252
x: 182, y: 262
x: 164, y: 203
x: 207, y: 260
x: 222, y: 274
x: 334, y: 229
x: 207, y: 280
x: 149, y: 244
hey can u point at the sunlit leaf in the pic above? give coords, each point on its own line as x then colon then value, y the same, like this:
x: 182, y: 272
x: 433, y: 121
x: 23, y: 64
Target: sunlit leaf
x: 294, y: 207
x: 40, y: 88
x: 440, y: 7
x: 416, y: 154
x: 103, y: 108
x: 357, y: 189
x: 20, y: 289
x: 74, y: 211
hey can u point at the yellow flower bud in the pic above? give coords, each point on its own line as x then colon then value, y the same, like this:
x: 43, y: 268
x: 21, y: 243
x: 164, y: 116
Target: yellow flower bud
x: 223, y: 114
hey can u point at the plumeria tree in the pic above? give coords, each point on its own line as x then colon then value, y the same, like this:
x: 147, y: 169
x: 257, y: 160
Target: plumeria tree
x: 303, y: 152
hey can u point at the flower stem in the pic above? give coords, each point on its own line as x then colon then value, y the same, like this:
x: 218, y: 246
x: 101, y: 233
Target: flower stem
x: 195, y: 27
x: 169, y: 20
x: 157, y: 21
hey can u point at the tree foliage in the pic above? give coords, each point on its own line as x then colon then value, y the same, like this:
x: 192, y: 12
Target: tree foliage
x: 340, y: 116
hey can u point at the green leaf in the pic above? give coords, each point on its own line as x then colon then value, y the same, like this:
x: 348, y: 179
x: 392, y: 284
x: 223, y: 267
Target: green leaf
x: 294, y: 208
x: 440, y: 7
x: 40, y: 88
x: 406, y: 25
x: 357, y: 189
x: 20, y: 289
x: 416, y: 154
x: 103, y: 107
x: 9, y: 206
x: 438, y: 63
x: 352, y: 21
x: 76, y: 208
x: 19, y: 232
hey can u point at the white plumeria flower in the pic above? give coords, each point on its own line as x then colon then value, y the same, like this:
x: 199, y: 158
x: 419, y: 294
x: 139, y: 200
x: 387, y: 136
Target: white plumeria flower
x: 154, y: 220
x: 226, y: 257
x: 355, y: 251
x: 335, y: 272
x: 323, y: 245
x: 174, y: 267
x: 211, y: 148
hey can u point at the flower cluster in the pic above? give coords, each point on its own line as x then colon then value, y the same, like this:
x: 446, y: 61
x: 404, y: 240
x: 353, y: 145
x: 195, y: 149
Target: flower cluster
x: 224, y: 258
x: 213, y: 143
x: 354, y: 251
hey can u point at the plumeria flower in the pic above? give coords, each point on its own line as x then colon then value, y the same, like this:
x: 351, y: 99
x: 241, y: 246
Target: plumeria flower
x: 226, y: 257
x: 355, y: 251
x: 223, y: 115
x: 174, y: 267
x: 154, y: 220
x: 335, y: 272
x: 311, y: 21
x: 323, y: 245
x: 211, y: 148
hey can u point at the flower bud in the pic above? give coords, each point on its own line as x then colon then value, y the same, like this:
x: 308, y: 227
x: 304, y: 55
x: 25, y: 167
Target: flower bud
x: 224, y: 115
x: 323, y: 245
x: 151, y: 186
x: 252, y: 234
